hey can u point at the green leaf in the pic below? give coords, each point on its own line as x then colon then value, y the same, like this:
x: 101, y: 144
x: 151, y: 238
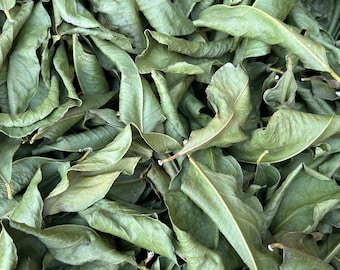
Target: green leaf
x: 228, y: 94
x: 141, y: 230
x: 22, y: 86
x: 128, y: 22
x: 173, y: 124
x: 131, y: 103
x: 90, y: 74
x: 92, y: 177
x: 95, y: 138
x: 29, y: 209
x: 157, y: 57
x: 305, y: 202
x: 8, y: 255
x: 283, y: 93
x: 287, y: 133
x: 267, y: 29
x: 66, y: 72
x: 73, y: 115
x: 196, y: 233
x: 72, y: 11
x: 237, y: 216
x: 166, y: 17
x: 9, y: 146
x: 75, y: 244
x: 294, y: 259
x: 193, y: 48
x: 11, y: 30
x: 7, y: 4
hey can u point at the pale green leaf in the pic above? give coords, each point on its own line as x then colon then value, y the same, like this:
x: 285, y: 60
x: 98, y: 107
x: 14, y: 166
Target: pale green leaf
x: 79, y: 190
x: 72, y: 11
x: 131, y: 104
x: 228, y: 94
x: 75, y: 244
x: 8, y: 147
x: 267, y: 29
x: 95, y: 138
x: 305, y: 202
x: 173, y: 124
x: 8, y: 254
x: 166, y: 17
x: 22, y: 86
x: 29, y: 209
x: 192, y: 48
x: 195, y: 231
x: 11, y: 30
x: 287, y: 133
x: 90, y: 74
x: 141, y: 230
x: 7, y: 4
x: 237, y: 216
x: 128, y: 22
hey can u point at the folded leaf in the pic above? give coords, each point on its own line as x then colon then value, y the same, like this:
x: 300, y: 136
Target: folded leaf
x: 228, y: 94
x: 75, y: 244
x: 166, y: 17
x: 131, y: 103
x: 305, y: 202
x: 22, y: 86
x: 288, y: 133
x: 264, y: 27
x: 141, y: 230
x: 11, y: 30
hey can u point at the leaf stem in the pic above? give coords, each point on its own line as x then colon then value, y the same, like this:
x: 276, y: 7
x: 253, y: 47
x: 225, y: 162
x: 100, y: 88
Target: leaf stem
x: 8, y: 15
x: 334, y: 75
x: 8, y: 187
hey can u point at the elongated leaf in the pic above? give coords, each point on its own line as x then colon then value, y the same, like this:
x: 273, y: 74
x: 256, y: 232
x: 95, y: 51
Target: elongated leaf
x: 237, y: 216
x: 96, y: 138
x: 11, y: 30
x: 29, y: 209
x: 9, y: 146
x: 23, y: 85
x: 166, y: 17
x: 193, y: 48
x: 73, y: 115
x: 153, y: 115
x: 90, y: 74
x: 173, y: 123
x: 267, y: 29
x: 75, y: 244
x: 128, y: 22
x: 8, y: 254
x: 228, y: 94
x: 196, y: 246
x: 131, y: 91
x: 288, y: 133
x: 66, y: 72
x: 157, y: 57
x: 141, y: 230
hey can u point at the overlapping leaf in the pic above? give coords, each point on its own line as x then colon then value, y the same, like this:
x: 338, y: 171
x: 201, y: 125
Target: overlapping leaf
x: 267, y: 29
x: 228, y: 94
